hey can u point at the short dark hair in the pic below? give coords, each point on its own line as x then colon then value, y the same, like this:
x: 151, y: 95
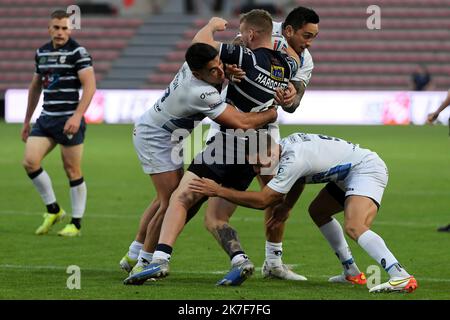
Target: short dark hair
x: 60, y: 14
x: 300, y: 16
x: 199, y: 54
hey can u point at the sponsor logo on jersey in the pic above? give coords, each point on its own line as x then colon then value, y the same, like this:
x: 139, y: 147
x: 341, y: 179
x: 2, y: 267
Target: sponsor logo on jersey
x: 277, y: 73
x: 268, y: 82
x: 83, y: 53
x: 280, y: 170
x: 62, y: 59
x: 208, y: 94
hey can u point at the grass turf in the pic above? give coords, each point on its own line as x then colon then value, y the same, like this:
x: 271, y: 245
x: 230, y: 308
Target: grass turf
x: 415, y: 203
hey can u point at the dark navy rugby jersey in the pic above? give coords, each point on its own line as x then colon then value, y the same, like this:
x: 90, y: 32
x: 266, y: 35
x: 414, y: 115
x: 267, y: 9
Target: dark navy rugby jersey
x: 58, y: 69
x: 265, y: 69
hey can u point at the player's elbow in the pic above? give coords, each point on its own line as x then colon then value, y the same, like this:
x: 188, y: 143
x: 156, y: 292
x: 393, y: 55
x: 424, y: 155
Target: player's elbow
x: 290, y: 109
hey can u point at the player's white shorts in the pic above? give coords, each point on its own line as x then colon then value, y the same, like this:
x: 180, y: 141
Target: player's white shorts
x: 155, y: 150
x: 368, y: 178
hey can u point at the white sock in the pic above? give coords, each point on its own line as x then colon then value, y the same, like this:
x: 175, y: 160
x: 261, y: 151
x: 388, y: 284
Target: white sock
x: 144, y: 258
x: 78, y: 196
x: 274, y: 252
x: 238, y: 259
x: 134, y: 249
x: 43, y: 185
x: 332, y: 231
x: 374, y: 245
x: 161, y: 255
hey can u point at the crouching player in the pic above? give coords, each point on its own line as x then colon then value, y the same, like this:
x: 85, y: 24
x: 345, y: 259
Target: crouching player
x: 356, y: 180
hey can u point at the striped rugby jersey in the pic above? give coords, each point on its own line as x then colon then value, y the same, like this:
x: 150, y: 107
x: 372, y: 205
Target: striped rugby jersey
x: 265, y: 69
x: 58, y: 69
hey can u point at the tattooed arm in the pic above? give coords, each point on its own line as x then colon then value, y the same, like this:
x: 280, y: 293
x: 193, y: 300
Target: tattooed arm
x: 300, y: 87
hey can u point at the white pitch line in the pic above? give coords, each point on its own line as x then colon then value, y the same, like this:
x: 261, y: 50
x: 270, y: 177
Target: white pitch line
x: 257, y: 269
x: 234, y: 218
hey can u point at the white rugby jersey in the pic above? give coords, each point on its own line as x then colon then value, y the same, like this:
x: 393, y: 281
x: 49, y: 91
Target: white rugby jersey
x: 186, y: 101
x: 314, y: 158
x: 306, y: 62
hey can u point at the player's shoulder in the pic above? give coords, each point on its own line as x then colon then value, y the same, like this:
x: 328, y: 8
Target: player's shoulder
x: 202, y: 92
x: 277, y: 28
x: 73, y: 44
x: 47, y: 47
x: 307, y: 58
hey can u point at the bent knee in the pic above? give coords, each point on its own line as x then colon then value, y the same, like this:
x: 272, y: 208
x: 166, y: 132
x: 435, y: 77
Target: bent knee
x: 31, y: 165
x: 354, y: 230
x: 72, y: 172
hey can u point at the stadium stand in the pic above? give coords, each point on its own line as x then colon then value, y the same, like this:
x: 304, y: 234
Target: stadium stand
x: 23, y: 29
x: 348, y: 55
x: 143, y: 52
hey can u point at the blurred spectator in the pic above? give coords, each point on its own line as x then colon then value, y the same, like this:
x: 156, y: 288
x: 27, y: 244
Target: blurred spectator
x: 191, y: 6
x: 421, y: 79
x: 434, y: 115
x: 270, y: 6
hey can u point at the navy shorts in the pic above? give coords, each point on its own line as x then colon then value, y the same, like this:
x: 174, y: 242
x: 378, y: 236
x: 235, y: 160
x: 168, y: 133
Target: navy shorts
x: 53, y: 126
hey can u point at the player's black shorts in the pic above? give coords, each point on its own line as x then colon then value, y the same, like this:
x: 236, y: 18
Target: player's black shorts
x: 236, y: 176
x: 339, y: 195
x: 53, y: 126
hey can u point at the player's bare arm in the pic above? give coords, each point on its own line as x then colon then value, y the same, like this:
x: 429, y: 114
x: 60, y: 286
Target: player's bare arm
x: 206, y: 34
x: 296, y: 97
x: 34, y: 92
x: 87, y: 79
x: 251, y: 199
x: 285, y: 96
x: 280, y: 212
x: 235, y: 119
x: 434, y: 115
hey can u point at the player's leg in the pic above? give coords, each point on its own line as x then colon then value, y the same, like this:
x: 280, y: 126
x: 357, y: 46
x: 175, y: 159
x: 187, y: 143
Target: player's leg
x: 328, y: 202
x: 130, y: 259
x: 36, y: 148
x: 217, y: 218
x: 174, y: 219
x: 165, y: 184
x: 359, y: 212
x: 273, y: 266
x: 72, y: 157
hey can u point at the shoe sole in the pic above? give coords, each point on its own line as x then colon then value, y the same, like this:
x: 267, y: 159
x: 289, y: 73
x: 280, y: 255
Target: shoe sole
x: 54, y: 222
x: 244, y: 275
x: 141, y: 277
x: 408, y: 289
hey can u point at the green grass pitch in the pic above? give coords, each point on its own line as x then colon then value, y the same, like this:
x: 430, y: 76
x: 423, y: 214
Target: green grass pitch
x: 416, y: 202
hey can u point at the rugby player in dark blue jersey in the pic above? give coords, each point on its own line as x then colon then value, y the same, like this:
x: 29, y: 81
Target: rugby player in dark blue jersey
x: 62, y: 68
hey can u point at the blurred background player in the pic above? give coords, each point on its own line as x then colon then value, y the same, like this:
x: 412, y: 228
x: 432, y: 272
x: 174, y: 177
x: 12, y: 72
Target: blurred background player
x: 430, y: 119
x: 62, y: 67
x: 299, y: 29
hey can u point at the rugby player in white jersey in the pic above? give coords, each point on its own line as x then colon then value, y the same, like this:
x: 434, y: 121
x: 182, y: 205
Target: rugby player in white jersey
x: 193, y: 94
x: 356, y: 180
x: 298, y: 31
